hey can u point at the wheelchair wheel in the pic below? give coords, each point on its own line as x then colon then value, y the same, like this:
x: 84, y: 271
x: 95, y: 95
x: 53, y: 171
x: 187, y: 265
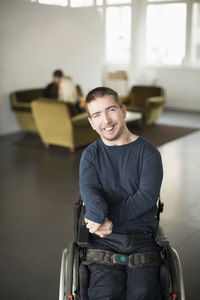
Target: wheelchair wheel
x: 179, y: 274
x: 69, y: 273
x: 177, y: 291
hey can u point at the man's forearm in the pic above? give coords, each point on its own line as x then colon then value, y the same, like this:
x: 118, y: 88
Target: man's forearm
x: 91, y: 190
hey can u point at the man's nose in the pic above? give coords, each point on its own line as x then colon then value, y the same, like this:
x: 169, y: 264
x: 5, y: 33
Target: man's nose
x: 106, y: 118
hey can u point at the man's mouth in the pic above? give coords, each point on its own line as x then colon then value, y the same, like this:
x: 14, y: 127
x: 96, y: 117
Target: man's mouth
x: 110, y: 128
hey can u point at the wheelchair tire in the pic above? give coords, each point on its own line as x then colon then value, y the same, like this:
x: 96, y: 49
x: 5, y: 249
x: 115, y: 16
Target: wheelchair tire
x: 62, y: 287
x: 69, y: 273
x: 179, y: 275
x: 75, y: 283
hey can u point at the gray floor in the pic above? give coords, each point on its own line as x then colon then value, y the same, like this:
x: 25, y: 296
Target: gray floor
x: 180, y: 193
x: 38, y: 188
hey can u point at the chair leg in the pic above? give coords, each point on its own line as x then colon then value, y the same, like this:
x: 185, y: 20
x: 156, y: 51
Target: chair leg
x: 46, y: 146
x: 72, y: 150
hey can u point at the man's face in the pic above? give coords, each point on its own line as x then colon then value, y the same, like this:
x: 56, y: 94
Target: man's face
x: 56, y: 79
x: 107, y: 118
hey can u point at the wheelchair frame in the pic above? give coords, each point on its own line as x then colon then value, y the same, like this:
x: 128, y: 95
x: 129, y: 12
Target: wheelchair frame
x: 72, y: 257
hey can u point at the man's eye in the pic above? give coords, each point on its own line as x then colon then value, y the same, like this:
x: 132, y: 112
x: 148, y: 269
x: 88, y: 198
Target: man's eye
x: 112, y: 109
x: 96, y: 116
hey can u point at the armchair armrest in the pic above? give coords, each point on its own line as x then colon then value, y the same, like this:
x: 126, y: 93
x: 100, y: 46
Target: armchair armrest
x: 21, y: 100
x: 80, y: 120
x: 153, y: 108
x: 134, y: 108
x: 16, y: 105
x: 155, y: 101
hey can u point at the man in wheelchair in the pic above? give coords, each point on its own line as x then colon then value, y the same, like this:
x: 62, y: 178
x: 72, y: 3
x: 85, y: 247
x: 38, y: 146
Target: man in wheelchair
x: 120, y: 180
x: 126, y: 255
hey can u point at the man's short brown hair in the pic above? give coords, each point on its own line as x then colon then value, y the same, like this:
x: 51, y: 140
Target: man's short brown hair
x: 101, y: 92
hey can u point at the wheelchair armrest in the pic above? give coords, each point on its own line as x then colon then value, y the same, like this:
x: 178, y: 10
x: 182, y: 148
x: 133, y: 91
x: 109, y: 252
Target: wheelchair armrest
x: 80, y: 231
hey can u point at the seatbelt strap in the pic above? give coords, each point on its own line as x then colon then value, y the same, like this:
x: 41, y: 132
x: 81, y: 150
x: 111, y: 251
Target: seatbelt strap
x: 136, y: 260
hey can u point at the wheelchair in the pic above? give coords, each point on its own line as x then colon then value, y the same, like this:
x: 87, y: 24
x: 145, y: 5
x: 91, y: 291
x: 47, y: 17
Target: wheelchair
x: 74, y: 274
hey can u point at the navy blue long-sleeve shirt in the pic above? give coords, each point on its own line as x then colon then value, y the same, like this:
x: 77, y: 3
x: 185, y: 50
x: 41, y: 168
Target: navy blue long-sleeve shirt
x: 121, y: 183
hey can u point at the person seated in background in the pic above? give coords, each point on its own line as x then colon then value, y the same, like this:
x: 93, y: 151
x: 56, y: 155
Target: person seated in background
x: 70, y: 93
x: 51, y: 91
x: 67, y: 91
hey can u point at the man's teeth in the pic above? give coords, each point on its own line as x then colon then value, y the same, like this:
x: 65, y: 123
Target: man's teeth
x: 109, y: 128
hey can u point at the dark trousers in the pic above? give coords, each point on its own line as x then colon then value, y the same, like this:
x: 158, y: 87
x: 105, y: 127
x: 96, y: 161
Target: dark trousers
x: 121, y: 282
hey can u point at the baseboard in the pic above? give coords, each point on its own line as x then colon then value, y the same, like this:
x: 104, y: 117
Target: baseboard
x: 178, y: 109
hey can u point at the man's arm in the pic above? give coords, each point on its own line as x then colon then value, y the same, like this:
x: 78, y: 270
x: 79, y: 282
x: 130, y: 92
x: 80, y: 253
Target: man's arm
x: 147, y: 194
x: 92, y: 190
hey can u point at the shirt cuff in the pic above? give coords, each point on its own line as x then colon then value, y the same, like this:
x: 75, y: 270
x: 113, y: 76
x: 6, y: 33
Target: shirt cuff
x: 94, y: 217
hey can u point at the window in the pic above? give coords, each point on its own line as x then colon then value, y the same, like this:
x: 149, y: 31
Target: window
x: 195, y: 39
x: 118, y: 33
x: 166, y: 33
x: 118, y: 1
x: 159, y: 0
x: 99, y: 2
x: 80, y: 3
x: 54, y: 2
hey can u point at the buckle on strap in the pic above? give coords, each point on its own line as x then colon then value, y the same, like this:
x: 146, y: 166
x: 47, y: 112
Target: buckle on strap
x: 120, y: 259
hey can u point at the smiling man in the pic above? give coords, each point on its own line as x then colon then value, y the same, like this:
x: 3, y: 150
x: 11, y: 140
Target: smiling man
x: 120, y: 180
x: 107, y: 118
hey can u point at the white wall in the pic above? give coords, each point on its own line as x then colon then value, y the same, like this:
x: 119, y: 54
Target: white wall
x: 37, y: 39
x: 182, y: 87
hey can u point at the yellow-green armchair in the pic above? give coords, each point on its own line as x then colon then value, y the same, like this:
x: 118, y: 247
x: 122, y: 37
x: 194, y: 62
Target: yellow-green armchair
x: 59, y: 124
x: 149, y: 100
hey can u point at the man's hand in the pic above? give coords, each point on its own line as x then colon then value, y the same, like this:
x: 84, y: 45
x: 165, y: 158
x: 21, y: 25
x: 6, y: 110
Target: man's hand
x: 105, y: 229
x: 100, y: 229
x: 92, y: 226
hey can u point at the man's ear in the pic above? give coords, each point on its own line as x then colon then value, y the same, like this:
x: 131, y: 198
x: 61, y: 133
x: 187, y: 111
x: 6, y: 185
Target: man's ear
x: 91, y: 123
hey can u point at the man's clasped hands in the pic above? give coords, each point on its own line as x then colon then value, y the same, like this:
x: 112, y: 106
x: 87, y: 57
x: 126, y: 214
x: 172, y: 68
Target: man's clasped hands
x: 100, y: 229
